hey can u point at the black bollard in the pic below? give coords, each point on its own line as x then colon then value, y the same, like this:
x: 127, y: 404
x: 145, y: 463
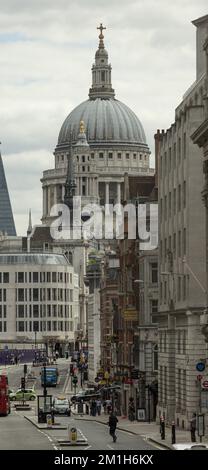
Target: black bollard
x: 173, y: 433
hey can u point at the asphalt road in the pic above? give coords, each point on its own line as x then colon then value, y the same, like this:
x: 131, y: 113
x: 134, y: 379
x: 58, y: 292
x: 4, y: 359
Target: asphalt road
x: 97, y: 436
x: 16, y: 433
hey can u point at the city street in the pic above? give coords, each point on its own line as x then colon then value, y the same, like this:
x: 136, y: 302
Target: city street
x: 16, y: 432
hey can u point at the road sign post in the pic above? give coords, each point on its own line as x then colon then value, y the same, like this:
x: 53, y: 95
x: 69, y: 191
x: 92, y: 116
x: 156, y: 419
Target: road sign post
x: 201, y: 426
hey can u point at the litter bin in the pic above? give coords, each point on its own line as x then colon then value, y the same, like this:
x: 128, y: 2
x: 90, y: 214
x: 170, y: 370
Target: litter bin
x: 73, y: 434
x: 41, y: 416
x: 49, y: 421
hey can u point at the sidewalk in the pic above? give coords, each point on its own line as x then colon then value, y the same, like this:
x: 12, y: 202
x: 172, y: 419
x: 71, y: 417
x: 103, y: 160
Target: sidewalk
x: 149, y: 431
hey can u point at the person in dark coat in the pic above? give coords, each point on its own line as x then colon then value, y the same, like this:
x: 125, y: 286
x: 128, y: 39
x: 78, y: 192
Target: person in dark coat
x: 112, y: 425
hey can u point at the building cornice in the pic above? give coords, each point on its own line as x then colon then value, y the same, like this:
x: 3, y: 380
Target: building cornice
x: 200, y: 136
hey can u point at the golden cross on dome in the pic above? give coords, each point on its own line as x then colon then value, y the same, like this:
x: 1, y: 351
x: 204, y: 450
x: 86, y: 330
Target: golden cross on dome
x: 101, y: 28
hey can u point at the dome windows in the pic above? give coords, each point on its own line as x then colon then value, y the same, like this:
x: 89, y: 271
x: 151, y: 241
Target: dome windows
x: 83, y: 158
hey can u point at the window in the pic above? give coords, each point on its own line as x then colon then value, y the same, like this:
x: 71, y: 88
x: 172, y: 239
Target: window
x: 102, y: 75
x: 184, y: 194
x: 101, y: 155
x: 83, y: 169
x: 119, y: 156
x: 35, y: 326
x: 184, y: 288
x: 35, y: 277
x: 110, y: 155
x: 5, y: 311
x: 174, y: 243
x: 174, y: 155
x: 165, y: 201
x: 184, y: 145
x: 35, y: 311
x: 154, y: 277
x: 83, y: 158
x: 35, y: 295
x: 179, y: 288
x: 179, y: 197
x: 20, y: 311
x: 134, y: 156
x: 154, y: 306
x: 170, y: 204
x: 0, y: 277
x: 5, y: 278
x: 127, y: 156
x: 155, y: 358
x: 83, y: 190
x: 179, y: 243
x: 71, y: 295
x: 140, y: 157
x: 184, y: 241
x: 20, y: 295
x: 169, y: 158
x: 53, y: 277
x: 174, y: 200
x: 179, y: 149
x: 92, y: 156
x: 20, y: 277
x: 5, y: 297
x: 20, y: 326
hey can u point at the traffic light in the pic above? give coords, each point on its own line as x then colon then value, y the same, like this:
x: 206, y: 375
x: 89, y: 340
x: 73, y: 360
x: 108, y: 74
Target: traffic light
x: 75, y: 380
x: 23, y: 383
x: 71, y: 369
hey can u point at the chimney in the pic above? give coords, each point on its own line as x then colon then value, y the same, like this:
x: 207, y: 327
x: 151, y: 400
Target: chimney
x: 201, y: 36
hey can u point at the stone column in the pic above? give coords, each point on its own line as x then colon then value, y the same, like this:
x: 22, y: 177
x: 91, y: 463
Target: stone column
x: 87, y: 186
x: 107, y: 193
x: 80, y: 186
x: 63, y: 192
x: 55, y: 194
x: 118, y: 193
x: 44, y: 201
x: 49, y: 200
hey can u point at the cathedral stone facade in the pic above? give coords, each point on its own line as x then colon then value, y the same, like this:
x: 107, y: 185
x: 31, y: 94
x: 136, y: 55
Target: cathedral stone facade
x: 106, y: 140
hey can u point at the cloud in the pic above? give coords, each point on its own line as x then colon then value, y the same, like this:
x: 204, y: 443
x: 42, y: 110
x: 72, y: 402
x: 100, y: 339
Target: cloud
x: 46, y: 52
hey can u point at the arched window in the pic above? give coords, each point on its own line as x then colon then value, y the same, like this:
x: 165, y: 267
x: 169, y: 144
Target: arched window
x: 83, y: 158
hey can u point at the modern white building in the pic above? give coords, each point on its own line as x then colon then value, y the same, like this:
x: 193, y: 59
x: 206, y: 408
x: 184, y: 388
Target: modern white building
x: 39, y: 299
x: 182, y: 251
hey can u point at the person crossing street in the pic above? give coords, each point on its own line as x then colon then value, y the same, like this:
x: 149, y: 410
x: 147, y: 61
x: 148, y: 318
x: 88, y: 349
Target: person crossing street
x: 112, y: 425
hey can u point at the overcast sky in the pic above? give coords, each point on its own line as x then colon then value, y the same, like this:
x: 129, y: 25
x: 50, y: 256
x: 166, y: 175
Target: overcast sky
x: 47, y: 49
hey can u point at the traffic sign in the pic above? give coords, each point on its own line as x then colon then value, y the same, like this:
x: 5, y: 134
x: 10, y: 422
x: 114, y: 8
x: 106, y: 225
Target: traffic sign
x: 200, y: 366
x: 205, y: 384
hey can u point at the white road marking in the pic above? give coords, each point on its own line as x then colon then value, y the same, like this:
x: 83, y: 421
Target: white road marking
x: 88, y: 447
x: 49, y: 438
x: 108, y: 445
x: 82, y: 434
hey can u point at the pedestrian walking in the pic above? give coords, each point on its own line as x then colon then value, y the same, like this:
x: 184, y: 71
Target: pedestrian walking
x: 112, y: 423
x: 98, y: 405
x: 193, y: 427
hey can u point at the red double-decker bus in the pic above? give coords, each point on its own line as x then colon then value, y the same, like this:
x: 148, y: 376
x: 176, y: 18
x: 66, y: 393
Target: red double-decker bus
x: 4, y: 396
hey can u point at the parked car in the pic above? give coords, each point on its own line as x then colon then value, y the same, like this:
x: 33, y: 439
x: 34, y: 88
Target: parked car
x: 27, y: 394
x: 190, y: 446
x: 62, y: 406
